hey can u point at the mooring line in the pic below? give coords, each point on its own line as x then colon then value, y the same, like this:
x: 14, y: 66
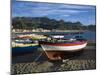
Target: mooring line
x: 38, y: 56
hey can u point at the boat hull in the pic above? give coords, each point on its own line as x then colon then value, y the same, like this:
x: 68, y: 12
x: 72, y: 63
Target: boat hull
x: 63, y: 48
x: 59, y: 55
x: 58, y: 51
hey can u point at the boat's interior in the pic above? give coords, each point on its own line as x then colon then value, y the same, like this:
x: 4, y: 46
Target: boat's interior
x: 53, y: 40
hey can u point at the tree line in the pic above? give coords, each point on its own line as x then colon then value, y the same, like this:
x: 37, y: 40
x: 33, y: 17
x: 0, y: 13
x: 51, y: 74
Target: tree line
x: 49, y: 24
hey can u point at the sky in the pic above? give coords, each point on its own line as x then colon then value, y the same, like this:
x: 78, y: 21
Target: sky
x: 68, y: 12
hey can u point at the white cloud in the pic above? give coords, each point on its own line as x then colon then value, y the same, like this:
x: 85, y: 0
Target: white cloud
x: 65, y: 15
x: 76, y: 6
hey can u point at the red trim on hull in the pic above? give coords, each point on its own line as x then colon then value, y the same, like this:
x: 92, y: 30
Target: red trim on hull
x: 64, y: 44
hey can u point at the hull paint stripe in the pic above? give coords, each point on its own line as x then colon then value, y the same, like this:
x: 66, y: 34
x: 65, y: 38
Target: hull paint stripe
x: 63, y: 48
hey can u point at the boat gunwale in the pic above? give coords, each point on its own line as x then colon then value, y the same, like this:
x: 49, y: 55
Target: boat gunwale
x: 63, y: 43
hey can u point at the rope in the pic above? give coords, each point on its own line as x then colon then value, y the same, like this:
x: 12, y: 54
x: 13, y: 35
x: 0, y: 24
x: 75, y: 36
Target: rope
x: 38, y: 57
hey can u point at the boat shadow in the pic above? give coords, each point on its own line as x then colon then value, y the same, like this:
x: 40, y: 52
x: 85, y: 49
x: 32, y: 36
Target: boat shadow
x: 31, y: 54
x: 72, y: 55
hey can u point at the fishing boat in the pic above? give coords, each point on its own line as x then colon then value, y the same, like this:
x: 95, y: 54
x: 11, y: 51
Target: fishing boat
x: 23, y: 45
x: 57, y: 45
x: 24, y: 42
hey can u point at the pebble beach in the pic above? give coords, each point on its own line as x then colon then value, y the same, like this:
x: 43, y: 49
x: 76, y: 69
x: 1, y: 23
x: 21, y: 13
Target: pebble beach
x: 37, y: 62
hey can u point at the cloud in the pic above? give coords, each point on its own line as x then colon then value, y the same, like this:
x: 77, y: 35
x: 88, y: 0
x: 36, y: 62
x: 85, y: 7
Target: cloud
x: 45, y: 9
x: 69, y: 11
x: 71, y: 6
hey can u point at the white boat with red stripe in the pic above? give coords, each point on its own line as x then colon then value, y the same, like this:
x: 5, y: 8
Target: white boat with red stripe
x: 70, y: 46
x: 56, y: 45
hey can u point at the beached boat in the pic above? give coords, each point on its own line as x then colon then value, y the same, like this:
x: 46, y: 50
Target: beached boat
x: 24, y: 42
x: 55, y: 46
x: 23, y: 45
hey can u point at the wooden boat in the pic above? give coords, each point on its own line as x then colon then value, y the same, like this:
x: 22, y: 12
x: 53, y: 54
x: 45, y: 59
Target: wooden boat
x: 54, y: 48
x: 24, y: 42
x: 23, y: 45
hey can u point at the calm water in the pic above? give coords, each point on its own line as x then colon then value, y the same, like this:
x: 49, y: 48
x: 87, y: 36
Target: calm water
x: 90, y: 36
